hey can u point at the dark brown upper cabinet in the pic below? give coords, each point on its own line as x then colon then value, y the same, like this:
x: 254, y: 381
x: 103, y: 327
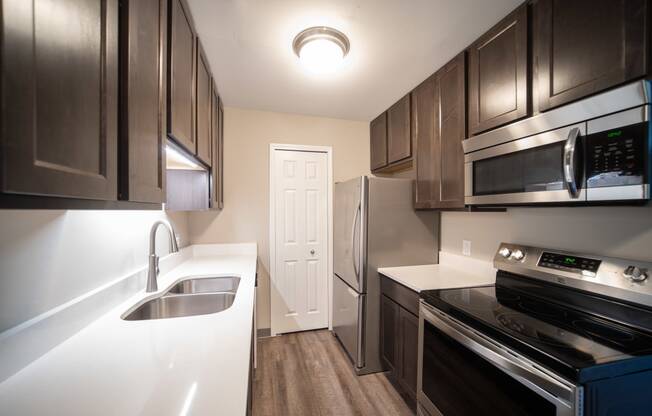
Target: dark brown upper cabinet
x: 586, y: 46
x: 498, y: 74
x: 203, y: 106
x: 427, y: 154
x: 399, y: 139
x: 451, y: 94
x: 143, y: 49
x: 217, y: 137
x: 59, y: 86
x: 378, y: 136
x: 181, y: 76
x: 439, y: 120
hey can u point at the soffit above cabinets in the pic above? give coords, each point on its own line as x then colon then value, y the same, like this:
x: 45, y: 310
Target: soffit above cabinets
x: 394, y: 46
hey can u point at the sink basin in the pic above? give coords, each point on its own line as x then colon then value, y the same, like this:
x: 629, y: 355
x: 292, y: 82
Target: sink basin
x: 206, y: 285
x: 174, y: 306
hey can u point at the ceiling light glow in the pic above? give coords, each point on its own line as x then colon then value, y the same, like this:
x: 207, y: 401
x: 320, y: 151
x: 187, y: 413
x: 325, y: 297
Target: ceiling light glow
x: 321, y: 49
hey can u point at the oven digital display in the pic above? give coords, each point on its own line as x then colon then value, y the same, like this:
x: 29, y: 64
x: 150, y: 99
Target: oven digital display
x: 568, y: 263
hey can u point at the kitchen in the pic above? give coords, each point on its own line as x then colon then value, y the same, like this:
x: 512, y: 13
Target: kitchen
x: 221, y: 207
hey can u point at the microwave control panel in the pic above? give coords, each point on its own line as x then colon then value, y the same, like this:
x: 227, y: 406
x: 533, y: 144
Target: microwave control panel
x: 617, y: 157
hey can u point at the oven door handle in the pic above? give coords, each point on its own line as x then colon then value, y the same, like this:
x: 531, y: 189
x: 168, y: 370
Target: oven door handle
x: 569, y: 162
x: 512, y: 363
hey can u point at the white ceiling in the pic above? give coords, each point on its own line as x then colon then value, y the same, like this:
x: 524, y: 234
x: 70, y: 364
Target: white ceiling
x: 395, y: 44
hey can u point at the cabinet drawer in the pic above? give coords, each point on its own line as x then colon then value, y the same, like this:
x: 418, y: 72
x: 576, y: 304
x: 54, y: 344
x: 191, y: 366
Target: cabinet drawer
x: 407, y: 298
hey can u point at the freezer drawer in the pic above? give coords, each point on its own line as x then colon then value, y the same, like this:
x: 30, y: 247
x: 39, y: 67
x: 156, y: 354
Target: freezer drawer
x: 348, y: 320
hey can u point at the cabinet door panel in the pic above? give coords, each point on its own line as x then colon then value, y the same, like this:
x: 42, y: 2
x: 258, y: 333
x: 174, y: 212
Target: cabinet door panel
x: 60, y: 89
x: 585, y: 46
x: 389, y: 317
x: 408, y: 351
x: 203, y: 106
x: 399, y: 138
x: 451, y: 93
x: 181, y: 85
x: 378, y: 135
x: 220, y: 146
x: 498, y: 90
x: 142, y: 100
x: 427, y: 153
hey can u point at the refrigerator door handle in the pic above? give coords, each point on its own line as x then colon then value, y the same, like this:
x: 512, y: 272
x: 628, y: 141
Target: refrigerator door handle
x: 355, y: 253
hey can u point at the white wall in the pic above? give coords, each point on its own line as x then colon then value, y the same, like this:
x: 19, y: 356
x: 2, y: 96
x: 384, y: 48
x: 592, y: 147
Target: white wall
x: 610, y: 231
x: 50, y: 257
x: 245, y: 216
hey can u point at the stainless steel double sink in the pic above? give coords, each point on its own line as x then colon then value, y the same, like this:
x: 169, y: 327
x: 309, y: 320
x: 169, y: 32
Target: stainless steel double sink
x: 188, y: 297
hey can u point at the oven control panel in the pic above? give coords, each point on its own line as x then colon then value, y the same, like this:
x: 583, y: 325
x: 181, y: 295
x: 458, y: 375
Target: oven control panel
x: 569, y: 263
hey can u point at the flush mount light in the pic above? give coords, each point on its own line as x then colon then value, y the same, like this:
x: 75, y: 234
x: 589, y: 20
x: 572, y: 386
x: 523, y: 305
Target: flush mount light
x: 321, y: 49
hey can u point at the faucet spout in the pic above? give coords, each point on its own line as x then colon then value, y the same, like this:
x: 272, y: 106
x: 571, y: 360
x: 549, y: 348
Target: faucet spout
x: 153, y: 270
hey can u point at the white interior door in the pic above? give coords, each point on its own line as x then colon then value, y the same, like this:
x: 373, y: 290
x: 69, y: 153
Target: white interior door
x: 299, y: 287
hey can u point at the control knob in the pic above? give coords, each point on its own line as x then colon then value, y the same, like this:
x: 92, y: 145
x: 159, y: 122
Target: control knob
x: 635, y: 273
x: 518, y: 255
x: 505, y: 252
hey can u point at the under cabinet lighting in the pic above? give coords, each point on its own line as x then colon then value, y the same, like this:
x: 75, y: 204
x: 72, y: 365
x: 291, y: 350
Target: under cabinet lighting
x: 177, y: 160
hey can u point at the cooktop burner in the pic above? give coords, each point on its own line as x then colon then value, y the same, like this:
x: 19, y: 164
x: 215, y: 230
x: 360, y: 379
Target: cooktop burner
x: 565, y: 339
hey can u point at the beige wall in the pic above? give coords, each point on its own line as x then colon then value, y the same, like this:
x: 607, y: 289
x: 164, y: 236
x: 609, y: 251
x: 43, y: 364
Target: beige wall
x: 611, y: 231
x: 245, y: 216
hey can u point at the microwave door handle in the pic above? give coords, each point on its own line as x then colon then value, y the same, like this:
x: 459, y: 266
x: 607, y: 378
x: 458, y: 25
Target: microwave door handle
x: 569, y: 162
x: 354, y: 252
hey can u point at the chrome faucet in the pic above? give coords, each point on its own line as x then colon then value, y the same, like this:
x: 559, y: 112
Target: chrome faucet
x: 152, y: 273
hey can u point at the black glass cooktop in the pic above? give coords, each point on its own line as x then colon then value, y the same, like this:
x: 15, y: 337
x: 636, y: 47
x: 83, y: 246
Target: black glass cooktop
x: 581, y: 337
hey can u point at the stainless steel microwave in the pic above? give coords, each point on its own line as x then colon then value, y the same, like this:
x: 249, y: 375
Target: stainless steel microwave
x: 592, y: 151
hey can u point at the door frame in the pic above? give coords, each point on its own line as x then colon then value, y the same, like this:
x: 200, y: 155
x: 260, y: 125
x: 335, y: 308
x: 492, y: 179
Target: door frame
x: 328, y: 150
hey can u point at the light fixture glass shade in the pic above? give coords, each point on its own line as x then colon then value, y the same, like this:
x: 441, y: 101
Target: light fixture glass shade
x: 321, y: 49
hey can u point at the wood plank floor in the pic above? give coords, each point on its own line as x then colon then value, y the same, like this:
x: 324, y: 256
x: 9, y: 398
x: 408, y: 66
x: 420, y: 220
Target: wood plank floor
x: 308, y: 373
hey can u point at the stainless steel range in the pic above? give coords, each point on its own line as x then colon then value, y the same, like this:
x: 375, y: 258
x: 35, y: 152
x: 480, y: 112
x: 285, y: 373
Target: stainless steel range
x: 558, y: 334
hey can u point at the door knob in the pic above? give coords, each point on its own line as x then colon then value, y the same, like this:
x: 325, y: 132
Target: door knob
x: 312, y: 252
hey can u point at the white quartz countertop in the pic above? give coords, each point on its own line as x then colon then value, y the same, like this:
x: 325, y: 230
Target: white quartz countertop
x: 453, y: 271
x: 195, y: 365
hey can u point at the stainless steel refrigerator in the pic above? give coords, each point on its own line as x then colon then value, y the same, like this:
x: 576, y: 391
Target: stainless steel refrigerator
x: 375, y: 225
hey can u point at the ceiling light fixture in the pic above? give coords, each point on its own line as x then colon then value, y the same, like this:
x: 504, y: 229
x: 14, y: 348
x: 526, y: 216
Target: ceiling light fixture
x: 321, y: 49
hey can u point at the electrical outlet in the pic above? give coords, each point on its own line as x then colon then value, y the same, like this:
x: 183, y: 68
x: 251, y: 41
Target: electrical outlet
x: 466, y: 247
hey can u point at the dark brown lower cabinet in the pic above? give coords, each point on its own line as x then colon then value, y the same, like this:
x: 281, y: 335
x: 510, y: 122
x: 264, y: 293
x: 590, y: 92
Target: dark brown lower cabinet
x: 399, y: 336
x: 408, y: 328
x: 389, y: 318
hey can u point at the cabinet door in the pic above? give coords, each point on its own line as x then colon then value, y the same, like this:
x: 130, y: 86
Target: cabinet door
x: 585, y: 46
x: 389, y: 318
x: 181, y: 78
x: 498, y: 87
x: 427, y: 153
x: 451, y: 93
x: 60, y: 98
x: 143, y: 26
x: 399, y: 139
x: 378, y: 134
x: 408, y: 328
x: 220, y: 152
x: 203, y: 106
x: 216, y: 125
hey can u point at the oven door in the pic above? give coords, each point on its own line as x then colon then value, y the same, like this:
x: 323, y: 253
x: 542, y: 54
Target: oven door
x: 463, y: 372
x: 545, y: 168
